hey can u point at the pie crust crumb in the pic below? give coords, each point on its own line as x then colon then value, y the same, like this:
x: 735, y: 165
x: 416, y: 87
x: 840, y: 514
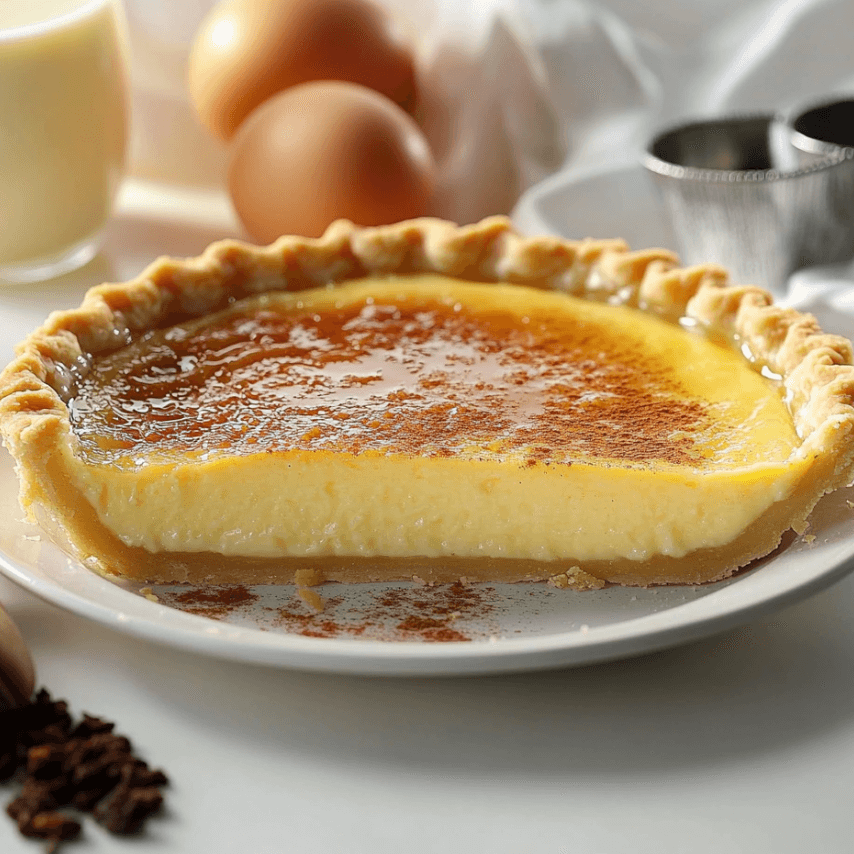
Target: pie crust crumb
x: 308, y: 577
x: 576, y: 578
x: 311, y: 598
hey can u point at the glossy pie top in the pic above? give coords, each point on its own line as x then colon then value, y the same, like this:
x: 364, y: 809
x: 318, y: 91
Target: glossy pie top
x: 430, y: 366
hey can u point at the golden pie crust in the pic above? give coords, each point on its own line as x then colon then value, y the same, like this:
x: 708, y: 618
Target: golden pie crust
x: 815, y: 371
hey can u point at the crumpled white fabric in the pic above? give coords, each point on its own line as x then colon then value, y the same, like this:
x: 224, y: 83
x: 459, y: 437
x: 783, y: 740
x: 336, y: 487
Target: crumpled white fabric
x: 693, y: 59
x: 828, y: 293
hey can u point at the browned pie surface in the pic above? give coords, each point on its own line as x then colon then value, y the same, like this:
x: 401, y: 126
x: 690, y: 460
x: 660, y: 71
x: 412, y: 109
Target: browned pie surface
x: 413, y: 376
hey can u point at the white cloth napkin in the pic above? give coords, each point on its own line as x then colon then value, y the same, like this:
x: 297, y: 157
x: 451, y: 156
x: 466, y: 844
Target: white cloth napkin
x: 686, y: 59
x: 828, y: 293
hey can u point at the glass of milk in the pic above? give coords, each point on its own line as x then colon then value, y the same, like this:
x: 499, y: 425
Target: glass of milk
x: 63, y: 131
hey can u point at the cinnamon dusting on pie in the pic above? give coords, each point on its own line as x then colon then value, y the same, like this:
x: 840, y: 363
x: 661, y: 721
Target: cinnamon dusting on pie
x: 213, y: 601
x: 427, y: 613
x: 433, y: 613
x: 412, y: 377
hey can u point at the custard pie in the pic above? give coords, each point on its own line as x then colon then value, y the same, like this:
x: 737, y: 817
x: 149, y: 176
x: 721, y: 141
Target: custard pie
x: 427, y: 400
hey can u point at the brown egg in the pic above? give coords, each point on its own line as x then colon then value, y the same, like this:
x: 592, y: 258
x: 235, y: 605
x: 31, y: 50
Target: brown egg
x: 328, y: 150
x: 248, y: 50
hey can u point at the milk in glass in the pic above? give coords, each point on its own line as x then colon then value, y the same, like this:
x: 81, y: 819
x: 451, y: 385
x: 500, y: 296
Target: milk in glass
x: 63, y: 131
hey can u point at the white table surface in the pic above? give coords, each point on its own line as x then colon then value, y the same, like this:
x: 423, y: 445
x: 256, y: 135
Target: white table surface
x: 740, y: 743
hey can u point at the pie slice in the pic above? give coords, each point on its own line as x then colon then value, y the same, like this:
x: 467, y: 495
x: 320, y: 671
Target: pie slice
x: 427, y: 400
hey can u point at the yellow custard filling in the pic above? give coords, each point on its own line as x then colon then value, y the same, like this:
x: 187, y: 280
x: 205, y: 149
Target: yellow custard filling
x: 427, y: 416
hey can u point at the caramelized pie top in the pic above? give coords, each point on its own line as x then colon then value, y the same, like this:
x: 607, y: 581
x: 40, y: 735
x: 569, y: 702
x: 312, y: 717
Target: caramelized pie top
x: 403, y: 366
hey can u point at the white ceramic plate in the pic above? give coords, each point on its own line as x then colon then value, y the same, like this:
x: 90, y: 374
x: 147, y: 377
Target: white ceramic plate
x: 510, y: 627
x: 369, y: 630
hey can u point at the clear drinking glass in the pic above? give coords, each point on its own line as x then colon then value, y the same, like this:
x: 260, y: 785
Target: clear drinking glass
x: 63, y: 131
